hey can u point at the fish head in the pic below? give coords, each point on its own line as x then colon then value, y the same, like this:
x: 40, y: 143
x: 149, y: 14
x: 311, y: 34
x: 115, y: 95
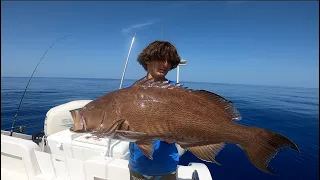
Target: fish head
x: 79, y: 122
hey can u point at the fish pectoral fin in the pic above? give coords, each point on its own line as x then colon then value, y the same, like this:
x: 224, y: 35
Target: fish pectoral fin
x: 121, y: 124
x: 115, y: 126
x: 130, y: 134
x: 207, y: 152
x: 124, y: 125
x: 147, y: 147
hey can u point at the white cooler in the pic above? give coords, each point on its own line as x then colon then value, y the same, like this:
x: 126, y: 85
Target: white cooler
x: 78, y: 146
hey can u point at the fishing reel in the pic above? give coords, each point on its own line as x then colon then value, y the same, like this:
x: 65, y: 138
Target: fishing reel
x: 37, y: 137
x: 21, y: 129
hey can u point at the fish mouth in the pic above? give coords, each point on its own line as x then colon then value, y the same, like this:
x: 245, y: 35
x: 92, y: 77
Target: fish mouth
x: 79, y: 122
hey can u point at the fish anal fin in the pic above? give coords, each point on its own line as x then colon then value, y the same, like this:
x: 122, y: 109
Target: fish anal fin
x: 207, y: 152
x: 222, y: 102
x: 147, y: 147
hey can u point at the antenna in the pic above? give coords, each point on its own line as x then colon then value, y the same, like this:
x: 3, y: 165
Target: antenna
x: 161, y: 31
x: 121, y: 82
x: 125, y: 65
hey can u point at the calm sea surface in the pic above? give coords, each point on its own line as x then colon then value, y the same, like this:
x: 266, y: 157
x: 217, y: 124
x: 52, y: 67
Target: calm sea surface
x: 293, y: 112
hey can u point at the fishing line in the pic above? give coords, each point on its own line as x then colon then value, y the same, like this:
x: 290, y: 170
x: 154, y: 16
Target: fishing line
x: 16, y: 115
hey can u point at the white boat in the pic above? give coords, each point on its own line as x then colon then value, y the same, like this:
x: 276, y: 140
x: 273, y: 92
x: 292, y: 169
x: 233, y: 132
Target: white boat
x: 63, y: 155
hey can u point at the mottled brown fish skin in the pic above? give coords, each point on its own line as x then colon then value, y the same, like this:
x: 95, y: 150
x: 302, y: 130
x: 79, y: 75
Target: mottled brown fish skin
x: 199, y: 121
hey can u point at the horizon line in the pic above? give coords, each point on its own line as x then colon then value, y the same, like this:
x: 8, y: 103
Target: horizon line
x: 180, y: 81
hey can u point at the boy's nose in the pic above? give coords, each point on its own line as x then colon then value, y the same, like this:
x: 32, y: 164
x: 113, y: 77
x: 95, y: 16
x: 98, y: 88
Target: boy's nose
x: 166, y: 63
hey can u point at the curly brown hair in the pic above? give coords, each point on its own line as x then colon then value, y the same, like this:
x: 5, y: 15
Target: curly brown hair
x: 159, y: 51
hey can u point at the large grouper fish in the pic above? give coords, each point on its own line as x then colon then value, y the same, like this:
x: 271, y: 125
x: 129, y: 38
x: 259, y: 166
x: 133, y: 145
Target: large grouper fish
x: 198, y: 120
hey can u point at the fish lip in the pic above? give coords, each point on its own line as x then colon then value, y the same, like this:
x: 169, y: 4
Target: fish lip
x: 83, y: 123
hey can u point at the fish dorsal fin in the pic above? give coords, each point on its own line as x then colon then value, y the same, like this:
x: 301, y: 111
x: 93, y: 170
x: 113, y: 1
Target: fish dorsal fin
x: 143, y: 81
x: 147, y: 83
x: 222, y: 102
x: 207, y: 152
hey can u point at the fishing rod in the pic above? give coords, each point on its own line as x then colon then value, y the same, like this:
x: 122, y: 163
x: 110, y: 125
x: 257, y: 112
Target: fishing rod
x: 125, y: 65
x: 16, y: 115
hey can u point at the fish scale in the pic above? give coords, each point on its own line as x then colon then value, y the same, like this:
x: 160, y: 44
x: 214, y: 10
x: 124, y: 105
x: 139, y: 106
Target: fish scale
x: 198, y: 120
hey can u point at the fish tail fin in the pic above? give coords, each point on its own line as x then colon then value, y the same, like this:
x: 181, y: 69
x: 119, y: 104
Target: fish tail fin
x: 263, y: 146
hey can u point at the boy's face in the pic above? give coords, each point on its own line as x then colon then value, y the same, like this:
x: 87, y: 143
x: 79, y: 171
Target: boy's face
x: 158, y: 69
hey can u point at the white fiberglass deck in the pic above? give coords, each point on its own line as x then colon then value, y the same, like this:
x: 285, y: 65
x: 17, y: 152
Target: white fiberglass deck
x: 64, y: 155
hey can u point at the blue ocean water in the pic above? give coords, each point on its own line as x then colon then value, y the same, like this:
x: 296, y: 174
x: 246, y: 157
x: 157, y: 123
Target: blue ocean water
x: 293, y: 112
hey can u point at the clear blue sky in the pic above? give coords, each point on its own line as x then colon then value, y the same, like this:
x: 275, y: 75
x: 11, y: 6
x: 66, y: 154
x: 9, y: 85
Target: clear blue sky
x: 264, y: 43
